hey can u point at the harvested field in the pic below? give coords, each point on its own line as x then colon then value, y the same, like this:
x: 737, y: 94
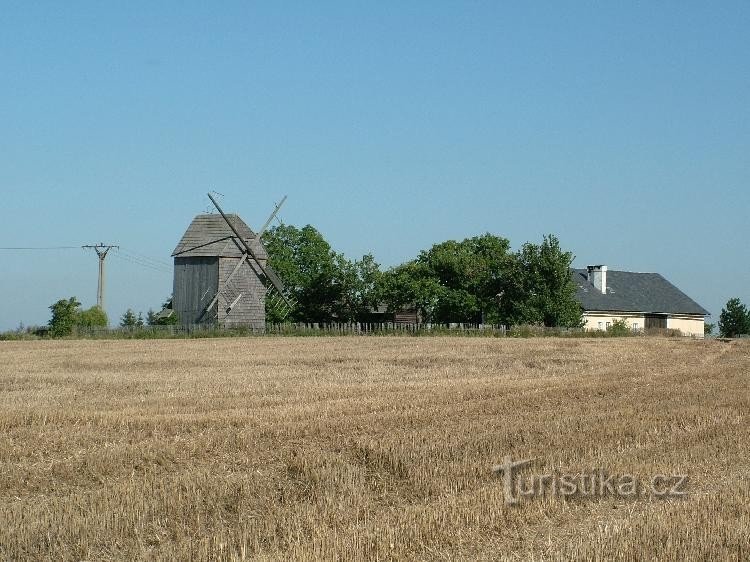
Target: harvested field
x: 368, y: 448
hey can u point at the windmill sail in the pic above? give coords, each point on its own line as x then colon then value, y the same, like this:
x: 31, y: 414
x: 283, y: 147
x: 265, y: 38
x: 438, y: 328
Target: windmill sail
x: 277, y: 297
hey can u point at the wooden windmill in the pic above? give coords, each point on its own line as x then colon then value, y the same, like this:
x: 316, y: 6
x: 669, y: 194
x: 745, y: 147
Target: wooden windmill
x: 222, y: 276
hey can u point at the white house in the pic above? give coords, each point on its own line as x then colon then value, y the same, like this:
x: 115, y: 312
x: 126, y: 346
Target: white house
x: 643, y: 300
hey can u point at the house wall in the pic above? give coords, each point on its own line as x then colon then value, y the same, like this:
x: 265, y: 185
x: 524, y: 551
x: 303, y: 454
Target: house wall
x: 599, y: 320
x: 250, y: 309
x: 195, y: 284
x: 689, y: 325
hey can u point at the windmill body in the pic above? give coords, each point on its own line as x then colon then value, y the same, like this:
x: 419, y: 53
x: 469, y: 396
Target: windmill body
x: 216, y: 280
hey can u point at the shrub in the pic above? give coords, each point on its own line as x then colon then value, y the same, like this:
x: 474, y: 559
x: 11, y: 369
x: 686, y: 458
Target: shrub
x: 620, y: 328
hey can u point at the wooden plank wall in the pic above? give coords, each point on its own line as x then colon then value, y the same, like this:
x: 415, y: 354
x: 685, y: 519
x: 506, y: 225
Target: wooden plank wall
x: 195, y: 284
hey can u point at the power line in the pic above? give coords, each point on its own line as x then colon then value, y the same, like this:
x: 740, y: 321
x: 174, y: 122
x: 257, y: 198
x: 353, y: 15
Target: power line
x: 134, y: 254
x: 41, y: 248
x: 142, y: 263
x: 145, y: 263
x: 126, y: 255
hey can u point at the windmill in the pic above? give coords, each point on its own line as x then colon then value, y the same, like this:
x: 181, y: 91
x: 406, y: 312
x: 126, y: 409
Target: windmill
x: 222, y: 275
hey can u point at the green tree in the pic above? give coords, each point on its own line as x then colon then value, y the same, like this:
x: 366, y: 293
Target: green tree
x: 64, y: 316
x: 708, y: 328
x: 480, y: 280
x: 734, y: 319
x: 452, y: 281
x: 325, y: 284
x: 543, y: 291
x: 368, y: 275
x: 129, y: 319
x: 304, y: 262
x: 473, y: 273
x: 411, y: 285
x: 92, y: 317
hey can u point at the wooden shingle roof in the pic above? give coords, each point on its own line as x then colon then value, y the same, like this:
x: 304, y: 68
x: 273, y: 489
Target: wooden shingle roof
x: 209, y: 236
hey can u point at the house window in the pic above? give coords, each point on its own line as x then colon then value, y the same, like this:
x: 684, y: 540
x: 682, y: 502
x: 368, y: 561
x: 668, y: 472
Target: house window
x: 601, y: 325
x: 608, y: 325
x: 635, y: 326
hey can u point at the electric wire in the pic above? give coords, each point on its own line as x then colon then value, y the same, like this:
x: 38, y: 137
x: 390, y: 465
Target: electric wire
x: 142, y: 263
x: 134, y: 254
x: 40, y: 248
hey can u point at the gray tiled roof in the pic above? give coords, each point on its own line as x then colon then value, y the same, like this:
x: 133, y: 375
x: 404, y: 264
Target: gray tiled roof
x: 210, y: 236
x: 634, y: 292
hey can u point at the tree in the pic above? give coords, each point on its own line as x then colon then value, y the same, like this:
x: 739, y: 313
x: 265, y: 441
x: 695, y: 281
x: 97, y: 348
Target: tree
x: 708, y: 328
x: 92, y: 317
x: 473, y: 273
x: 543, y: 291
x: 734, y: 319
x: 130, y: 320
x: 452, y: 281
x: 64, y: 313
x: 480, y: 280
x: 326, y: 285
x: 369, y: 278
x: 67, y: 315
x: 411, y: 285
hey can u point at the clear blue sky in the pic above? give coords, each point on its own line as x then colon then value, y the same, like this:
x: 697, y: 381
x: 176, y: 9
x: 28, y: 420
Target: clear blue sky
x: 623, y: 129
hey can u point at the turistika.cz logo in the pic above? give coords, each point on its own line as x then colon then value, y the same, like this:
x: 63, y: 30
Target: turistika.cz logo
x: 518, y: 483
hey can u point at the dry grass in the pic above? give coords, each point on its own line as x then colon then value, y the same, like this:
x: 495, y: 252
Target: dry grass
x: 367, y: 448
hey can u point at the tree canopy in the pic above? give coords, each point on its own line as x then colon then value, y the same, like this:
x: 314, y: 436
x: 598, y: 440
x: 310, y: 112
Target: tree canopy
x: 67, y: 315
x: 734, y: 319
x: 326, y: 285
x: 479, y: 279
x: 476, y: 280
x: 130, y: 320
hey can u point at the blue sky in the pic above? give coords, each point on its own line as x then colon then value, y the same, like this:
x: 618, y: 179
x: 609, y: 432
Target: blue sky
x: 623, y: 129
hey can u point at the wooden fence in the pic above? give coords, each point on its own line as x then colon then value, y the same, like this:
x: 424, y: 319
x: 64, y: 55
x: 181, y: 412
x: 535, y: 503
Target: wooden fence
x: 334, y: 329
x: 326, y: 329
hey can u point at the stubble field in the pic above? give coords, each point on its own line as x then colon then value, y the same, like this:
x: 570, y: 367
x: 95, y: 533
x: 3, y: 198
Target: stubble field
x: 368, y: 448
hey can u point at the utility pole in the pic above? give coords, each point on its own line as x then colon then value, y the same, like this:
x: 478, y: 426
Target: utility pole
x: 101, y: 250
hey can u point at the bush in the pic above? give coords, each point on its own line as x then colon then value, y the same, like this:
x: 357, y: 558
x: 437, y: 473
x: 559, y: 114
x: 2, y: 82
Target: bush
x: 620, y: 328
x: 92, y: 317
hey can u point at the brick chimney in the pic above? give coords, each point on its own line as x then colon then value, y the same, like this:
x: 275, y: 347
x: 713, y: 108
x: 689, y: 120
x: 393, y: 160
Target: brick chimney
x: 597, y: 275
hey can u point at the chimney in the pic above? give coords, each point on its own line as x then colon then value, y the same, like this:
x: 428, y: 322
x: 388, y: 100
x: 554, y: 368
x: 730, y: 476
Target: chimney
x: 597, y: 275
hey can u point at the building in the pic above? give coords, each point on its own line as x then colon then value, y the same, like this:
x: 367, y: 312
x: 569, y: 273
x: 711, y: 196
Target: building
x: 644, y: 300
x: 380, y: 315
x: 215, y: 282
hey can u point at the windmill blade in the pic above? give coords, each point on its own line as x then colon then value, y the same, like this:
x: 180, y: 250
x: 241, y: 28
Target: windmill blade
x: 224, y: 286
x: 270, y: 218
x: 272, y: 278
x: 281, y: 303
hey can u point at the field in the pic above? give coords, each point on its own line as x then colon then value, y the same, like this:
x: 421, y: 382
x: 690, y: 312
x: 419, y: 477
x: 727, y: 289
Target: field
x: 369, y: 448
